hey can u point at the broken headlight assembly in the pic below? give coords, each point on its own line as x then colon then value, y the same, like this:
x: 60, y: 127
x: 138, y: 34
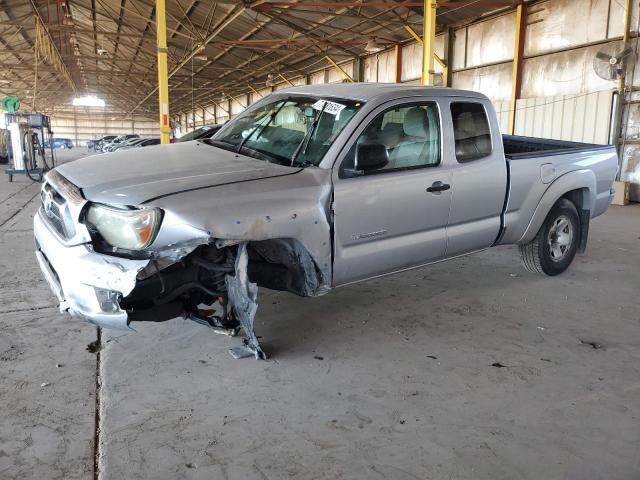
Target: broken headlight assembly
x: 127, y: 229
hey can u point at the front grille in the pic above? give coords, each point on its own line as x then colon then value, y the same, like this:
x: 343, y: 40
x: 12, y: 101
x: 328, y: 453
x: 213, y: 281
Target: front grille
x: 56, y: 212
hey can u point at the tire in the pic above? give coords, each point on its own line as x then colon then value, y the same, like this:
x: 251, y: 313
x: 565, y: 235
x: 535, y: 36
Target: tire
x: 556, y: 243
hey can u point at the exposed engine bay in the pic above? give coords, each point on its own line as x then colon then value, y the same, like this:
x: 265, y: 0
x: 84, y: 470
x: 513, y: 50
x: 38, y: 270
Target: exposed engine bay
x: 217, y: 286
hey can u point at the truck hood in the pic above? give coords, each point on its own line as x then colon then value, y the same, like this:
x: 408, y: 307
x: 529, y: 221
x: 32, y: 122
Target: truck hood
x: 134, y: 176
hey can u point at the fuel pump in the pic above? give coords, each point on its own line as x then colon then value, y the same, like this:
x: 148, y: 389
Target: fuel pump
x: 27, y: 133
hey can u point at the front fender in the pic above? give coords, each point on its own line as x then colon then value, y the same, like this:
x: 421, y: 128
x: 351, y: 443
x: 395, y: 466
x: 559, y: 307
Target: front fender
x: 584, y: 180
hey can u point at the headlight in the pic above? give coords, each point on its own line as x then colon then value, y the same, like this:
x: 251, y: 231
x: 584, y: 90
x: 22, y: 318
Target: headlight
x: 132, y: 229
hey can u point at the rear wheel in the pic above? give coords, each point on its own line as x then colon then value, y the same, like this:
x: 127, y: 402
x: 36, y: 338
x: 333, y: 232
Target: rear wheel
x: 554, y: 247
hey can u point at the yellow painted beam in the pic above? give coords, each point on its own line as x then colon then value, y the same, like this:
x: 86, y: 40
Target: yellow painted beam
x: 254, y: 91
x: 428, y: 41
x: 344, y: 74
x: 398, y: 57
x: 286, y: 80
x: 163, y: 71
x: 413, y: 33
x: 518, y: 53
x: 443, y: 63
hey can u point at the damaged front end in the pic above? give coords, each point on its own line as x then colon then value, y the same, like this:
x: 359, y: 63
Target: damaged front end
x: 213, y: 286
x: 167, y: 265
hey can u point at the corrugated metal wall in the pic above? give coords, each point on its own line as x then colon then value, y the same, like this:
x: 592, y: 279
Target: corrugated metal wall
x: 82, y: 125
x: 584, y: 118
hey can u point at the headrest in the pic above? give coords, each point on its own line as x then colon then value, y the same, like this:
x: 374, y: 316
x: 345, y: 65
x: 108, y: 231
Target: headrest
x: 464, y: 125
x: 391, y: 134
x: 416, y: 123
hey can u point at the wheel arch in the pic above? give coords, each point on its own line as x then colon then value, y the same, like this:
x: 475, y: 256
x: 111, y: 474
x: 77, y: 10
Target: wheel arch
x: 579, y: 187
x: 286, y: 264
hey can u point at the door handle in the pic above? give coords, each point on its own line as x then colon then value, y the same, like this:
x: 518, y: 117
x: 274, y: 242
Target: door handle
x: 438, y: 187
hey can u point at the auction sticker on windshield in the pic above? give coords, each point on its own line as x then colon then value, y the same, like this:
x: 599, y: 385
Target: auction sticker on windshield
x: 329, y: 107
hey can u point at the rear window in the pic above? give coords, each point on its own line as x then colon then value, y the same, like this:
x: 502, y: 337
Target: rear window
x: 471, y: 131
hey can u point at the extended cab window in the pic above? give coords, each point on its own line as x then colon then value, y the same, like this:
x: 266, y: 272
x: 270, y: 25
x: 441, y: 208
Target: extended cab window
x: 410, y: 134
x: 471, y: 131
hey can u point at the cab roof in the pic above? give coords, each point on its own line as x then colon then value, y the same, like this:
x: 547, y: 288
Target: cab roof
x: 379, y: 91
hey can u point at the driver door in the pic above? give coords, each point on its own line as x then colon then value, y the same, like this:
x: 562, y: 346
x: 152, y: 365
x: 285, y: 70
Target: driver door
x: 392, y: 217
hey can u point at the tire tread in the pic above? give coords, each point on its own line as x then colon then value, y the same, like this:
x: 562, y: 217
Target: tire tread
x: 530, y: 254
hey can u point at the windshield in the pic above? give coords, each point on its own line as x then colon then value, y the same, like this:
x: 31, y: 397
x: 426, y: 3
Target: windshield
x: 294, y: 131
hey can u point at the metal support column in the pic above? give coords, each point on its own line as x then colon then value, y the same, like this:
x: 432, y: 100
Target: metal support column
x: 428, y: 41
x: 448, y: 57
x: 163, y: 71
x: 443, y: 63
x: 625, y: 36
x: 622, y: 104
x: 518, y: 54
x: 398, y: 54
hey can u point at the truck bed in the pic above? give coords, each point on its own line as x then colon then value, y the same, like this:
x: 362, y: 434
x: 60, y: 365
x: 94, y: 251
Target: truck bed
x: 518, y: 147
x: 534, y: 164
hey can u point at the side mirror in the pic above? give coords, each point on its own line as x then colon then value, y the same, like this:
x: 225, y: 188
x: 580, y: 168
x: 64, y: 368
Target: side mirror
x: 371, y: 157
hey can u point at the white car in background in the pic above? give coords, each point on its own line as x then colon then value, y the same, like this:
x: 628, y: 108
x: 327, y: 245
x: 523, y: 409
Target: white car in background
x: 142, y: 142
x: 132, y: 142
x: 110, y: 146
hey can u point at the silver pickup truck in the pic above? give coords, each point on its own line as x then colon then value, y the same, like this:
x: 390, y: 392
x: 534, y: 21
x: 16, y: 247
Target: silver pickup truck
x: 309, y: 189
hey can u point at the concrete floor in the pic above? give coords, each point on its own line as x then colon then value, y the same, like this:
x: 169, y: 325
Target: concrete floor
x: 392, y: 379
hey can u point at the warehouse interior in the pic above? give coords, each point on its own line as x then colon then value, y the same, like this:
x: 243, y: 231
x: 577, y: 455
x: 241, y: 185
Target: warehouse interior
x: 471, y: 368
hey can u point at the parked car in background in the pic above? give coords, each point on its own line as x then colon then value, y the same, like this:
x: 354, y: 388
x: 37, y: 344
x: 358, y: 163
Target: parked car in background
x: 97, y: 145
x: 132, y: 142
x: 109, y: 146
x: 62, y: 143
x: 148, y: 142
x: 311, y: 188
x: 144, y: 142
x: 206, y: 131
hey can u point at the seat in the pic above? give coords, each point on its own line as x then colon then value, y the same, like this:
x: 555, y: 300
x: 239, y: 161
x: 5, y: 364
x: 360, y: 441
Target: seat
x: 391, y: 135
x: 472, y: 141
x: 417, y: 144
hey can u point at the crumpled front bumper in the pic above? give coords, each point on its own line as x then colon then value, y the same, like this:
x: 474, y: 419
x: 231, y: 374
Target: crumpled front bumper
x: 87, y: 284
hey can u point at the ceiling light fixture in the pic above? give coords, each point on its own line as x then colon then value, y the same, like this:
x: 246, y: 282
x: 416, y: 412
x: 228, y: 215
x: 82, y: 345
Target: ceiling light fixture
x: 88, y: 101
x: 271, y: 80
x: 373, y: 46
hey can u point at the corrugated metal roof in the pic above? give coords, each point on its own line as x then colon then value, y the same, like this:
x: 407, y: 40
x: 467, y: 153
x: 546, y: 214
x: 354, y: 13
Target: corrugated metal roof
x: 108, y: 46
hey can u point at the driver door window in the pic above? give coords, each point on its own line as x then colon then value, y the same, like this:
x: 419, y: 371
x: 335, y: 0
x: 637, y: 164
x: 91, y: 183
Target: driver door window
x: 411, y: 135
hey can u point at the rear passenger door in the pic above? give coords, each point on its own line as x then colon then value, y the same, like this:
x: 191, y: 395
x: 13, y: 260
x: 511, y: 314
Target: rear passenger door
x: 393, y: 217
x: 479, y: 182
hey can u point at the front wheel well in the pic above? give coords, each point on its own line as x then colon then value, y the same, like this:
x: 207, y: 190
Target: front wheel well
x: 284, y: 264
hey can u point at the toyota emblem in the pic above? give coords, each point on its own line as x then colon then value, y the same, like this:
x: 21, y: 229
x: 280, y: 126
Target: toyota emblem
x: 47, y: 202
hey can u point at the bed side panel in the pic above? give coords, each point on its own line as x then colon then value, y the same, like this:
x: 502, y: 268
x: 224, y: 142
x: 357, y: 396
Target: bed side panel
x: 533, y: 177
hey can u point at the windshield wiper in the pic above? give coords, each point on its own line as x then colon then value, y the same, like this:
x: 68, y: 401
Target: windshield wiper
x: 220, y: 144
x: 307, y: 137
x: 231, y: 147
x: 271, y: 119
